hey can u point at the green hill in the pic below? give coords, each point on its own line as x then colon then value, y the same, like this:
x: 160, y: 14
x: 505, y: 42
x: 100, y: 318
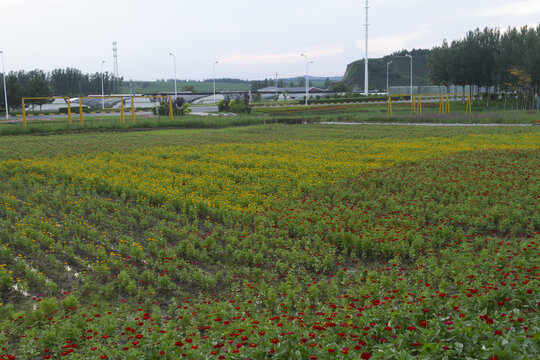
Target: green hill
x: 398, y: 74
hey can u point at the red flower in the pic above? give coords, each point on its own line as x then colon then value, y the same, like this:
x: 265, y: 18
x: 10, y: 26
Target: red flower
x: 498, y: 332
x: 162, y: 352
x: 423, y: 323
x: 274, y: 341
x: 416, y: 344
x: 331, y: 350
x: 365, y: 355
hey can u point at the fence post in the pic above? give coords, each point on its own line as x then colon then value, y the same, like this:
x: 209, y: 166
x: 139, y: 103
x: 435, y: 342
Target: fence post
x: 132, y: 110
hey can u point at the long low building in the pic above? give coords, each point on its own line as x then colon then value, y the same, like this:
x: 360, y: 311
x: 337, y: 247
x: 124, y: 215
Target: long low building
x: 295, y: 93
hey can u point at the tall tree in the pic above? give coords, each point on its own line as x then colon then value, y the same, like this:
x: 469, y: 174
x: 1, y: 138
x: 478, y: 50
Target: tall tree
x: 14, y: 90
x: 440, y: 65
x: 37, y: 87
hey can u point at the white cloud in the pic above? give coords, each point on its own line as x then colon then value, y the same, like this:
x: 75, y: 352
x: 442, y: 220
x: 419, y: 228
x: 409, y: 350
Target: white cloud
x: 386, y: 44
x: 520, y: 8
x: 278, y: 58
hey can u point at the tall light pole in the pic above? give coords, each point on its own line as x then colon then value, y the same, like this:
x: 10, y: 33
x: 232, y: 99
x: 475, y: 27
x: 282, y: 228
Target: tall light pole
x: 409, y: 56
x: 174, y: 63
x: 217, y: 62
x: 102, y: 88
x: 5, y: 91
x: 387, y: 85
x: 366, y: 74
x: 307, y: 75
x: 276, y: 88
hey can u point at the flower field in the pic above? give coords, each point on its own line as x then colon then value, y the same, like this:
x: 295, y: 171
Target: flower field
x: 394, y: 247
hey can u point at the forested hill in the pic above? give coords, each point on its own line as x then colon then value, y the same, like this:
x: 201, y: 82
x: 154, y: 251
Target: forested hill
x: 399, y: 73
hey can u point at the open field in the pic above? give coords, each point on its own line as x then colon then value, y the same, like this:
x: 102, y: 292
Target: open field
x: 271, y: 241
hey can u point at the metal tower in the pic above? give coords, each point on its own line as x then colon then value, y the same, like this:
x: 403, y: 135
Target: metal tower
x: 366, y: 75
x: 115, y: 74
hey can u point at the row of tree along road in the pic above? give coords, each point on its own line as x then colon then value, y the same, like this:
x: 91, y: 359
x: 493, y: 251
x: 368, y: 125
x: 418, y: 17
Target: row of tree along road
x: 67, y: 82
x: 506, y: 61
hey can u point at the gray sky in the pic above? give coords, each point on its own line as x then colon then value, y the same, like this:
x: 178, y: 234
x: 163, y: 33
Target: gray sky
x: 251, y: 39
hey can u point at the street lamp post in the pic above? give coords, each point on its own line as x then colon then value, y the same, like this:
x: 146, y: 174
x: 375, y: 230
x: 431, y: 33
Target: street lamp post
x: 215, y: 81
x: 387, y: 85
x: 174, y: 63
x: 102, y: 88
x: 409, y: 56
x: 5, y: 92
x: 307, y: 75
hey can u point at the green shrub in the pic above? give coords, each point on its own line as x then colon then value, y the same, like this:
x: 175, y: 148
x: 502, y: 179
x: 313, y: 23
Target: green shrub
x: 5, y: 280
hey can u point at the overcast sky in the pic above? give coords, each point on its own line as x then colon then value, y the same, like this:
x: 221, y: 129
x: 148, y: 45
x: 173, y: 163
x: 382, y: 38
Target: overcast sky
x: 251, y: 39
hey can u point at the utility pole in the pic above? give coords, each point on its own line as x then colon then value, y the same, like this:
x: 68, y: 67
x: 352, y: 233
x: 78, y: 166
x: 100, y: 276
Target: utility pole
x: 276, y: 86
x: 5, y: 91
x: 410, y: 57
x: 174, y: 65
x: 217, y: 62
x: 102, y: 88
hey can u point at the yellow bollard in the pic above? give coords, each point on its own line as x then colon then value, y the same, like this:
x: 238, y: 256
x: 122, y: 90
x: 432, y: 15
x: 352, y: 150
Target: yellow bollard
x: 23, y: 114
x: 80, y: 112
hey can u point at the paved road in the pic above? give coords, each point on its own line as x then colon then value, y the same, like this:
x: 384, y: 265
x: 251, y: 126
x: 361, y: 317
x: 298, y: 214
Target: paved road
x: 416, y: 124
x: 204, y: 109
x: 196, y: 110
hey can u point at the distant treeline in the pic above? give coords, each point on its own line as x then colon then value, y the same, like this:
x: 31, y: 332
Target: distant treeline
x: 508, y: 60
x: 59, y: 82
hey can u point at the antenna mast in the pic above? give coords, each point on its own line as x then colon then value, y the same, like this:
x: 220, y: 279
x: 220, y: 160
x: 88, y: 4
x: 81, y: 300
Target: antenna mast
x: 115, y: 56
x: 366, y: 75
